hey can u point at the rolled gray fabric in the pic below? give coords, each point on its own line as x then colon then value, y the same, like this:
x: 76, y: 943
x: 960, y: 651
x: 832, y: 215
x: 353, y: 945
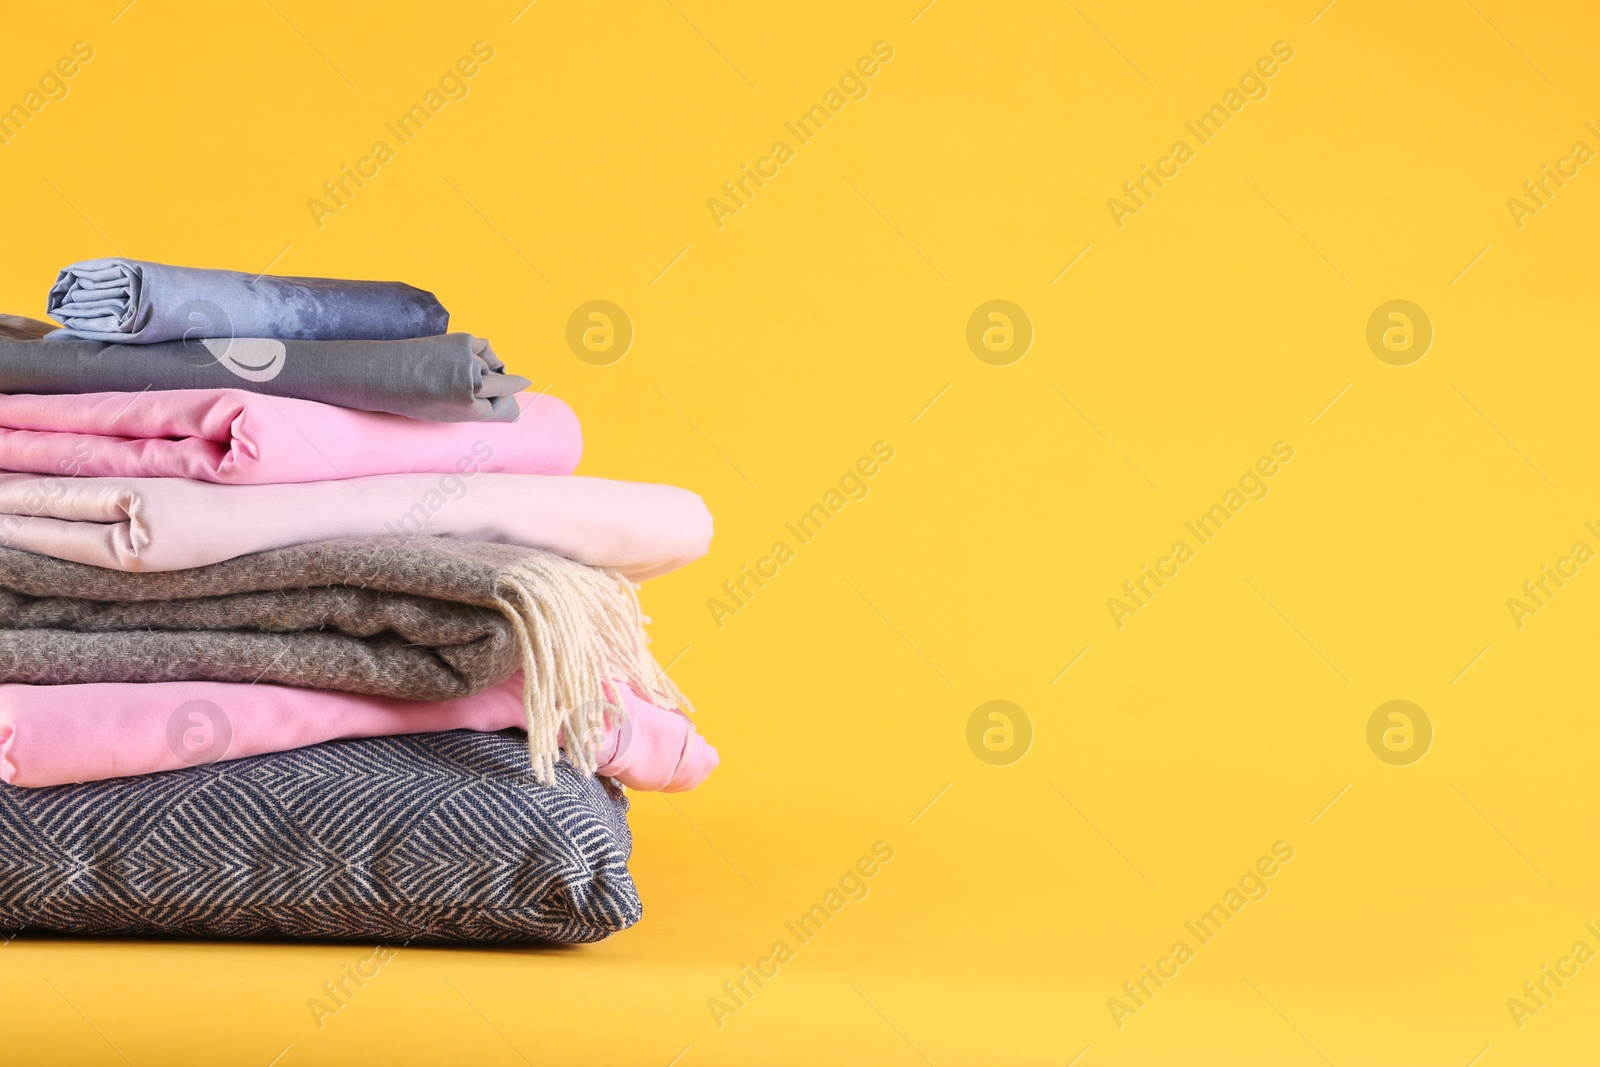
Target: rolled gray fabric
x: 133, y: 302
x: 452, y: 377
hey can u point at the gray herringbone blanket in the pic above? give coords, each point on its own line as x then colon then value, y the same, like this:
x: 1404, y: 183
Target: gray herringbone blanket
x: 425, y: 618
x: 429, y: 838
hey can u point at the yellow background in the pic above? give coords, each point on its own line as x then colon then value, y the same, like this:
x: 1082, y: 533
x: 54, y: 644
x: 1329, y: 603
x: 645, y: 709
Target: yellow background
x: 770, y: 353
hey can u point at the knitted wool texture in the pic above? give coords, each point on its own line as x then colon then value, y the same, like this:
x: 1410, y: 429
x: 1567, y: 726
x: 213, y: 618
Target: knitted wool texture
x: 418, y: 617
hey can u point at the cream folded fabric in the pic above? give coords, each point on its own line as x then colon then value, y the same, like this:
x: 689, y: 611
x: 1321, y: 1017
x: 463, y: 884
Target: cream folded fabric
x: 165, y: 524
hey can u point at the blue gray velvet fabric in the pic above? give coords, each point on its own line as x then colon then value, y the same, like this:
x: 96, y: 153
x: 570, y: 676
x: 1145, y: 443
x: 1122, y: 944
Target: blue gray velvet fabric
x: 441, y: 838
x: 134, y: 302
x: 451, y: 377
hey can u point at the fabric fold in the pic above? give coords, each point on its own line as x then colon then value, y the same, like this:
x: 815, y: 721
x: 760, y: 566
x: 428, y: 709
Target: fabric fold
x: 452, y: 377
x: 421, y: 618
x: 60, y: 734
x: 131, y: 301
x: 639, y: 529
x: 239, y: 438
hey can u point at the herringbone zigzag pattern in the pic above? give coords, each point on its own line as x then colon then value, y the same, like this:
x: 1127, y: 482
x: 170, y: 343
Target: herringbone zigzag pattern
x: 429, y: 838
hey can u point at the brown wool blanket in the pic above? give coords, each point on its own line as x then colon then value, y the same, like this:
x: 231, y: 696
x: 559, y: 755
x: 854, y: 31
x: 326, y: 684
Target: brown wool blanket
x: 424, y: 618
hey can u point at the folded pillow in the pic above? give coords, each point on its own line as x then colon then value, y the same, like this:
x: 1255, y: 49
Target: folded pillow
x: 428, y: 838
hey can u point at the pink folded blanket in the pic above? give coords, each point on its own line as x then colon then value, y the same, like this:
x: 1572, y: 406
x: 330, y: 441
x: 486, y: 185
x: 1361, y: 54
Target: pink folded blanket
x: 58, y: 734
x: 166, y: 524
x: 228, y: 435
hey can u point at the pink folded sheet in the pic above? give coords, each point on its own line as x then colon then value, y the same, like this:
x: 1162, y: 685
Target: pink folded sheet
x: 165, y: 524
x: 57, y: 734
x: 227, y: 435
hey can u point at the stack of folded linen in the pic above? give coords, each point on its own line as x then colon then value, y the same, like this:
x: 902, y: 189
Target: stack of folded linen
x: 307, y: 627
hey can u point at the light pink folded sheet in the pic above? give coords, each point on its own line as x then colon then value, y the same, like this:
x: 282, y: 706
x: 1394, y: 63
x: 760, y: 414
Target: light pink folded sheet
x: 166, y: 524
x: 240, y: 438
x: 58, y: 734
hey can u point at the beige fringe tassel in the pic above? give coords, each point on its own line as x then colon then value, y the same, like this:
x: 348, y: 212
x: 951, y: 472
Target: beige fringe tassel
x: 577, y: 628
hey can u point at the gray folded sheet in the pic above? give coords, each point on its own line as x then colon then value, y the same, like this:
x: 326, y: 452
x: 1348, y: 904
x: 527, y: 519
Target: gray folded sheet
x: 452, y: 377
x: 134, y: 302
